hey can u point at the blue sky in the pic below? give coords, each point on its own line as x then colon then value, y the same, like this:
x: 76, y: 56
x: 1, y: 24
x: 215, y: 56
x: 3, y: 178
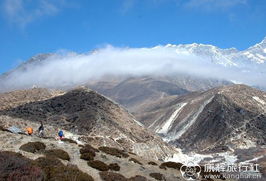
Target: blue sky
x: 29, y: 27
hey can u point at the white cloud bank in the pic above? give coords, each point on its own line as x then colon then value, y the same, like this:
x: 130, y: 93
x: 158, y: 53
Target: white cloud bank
x: 75, y: 69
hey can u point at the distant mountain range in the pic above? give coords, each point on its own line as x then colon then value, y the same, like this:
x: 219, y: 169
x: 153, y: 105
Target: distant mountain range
x: 56, y: 71
x: 226, y: 57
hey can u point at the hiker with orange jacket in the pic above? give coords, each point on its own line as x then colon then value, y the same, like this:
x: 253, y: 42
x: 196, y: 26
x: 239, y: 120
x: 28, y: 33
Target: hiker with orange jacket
x: 29, y: 130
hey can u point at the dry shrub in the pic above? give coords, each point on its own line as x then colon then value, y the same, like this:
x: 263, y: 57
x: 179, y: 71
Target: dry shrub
x: 55, y: 170
x: 88, y: 148
x: 14, y: 166
x: 157, y: 176
x: 174, y: 165
x: 152, y: 163
x: 111, y: 176
x: 114, y: 167
x: 88, y: 152
x: 58, y: 153
x: 87, y: 156
x: 99, y: 165
x: 33, y: 147
x: 114, y: 152
x: 138, y: 178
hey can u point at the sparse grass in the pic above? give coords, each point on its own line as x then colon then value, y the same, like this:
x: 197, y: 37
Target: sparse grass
x: 135, y: 161
x: 69, y: 140
x: 99, y: 165
x: 114, y: 152
x: 114, y: 167
x: 33, y: 147
x: 157, y: 176
x: 58, y: 153
x: 111, y: 176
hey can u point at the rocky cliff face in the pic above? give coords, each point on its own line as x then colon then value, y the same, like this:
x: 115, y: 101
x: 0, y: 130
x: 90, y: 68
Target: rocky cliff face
x: 96, y: 119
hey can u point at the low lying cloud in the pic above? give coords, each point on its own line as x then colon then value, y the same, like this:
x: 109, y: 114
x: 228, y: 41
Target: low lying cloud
x: 74, y: 69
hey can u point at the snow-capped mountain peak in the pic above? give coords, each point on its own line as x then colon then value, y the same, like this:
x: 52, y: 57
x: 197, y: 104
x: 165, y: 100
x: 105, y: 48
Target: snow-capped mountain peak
x: 226, y: 57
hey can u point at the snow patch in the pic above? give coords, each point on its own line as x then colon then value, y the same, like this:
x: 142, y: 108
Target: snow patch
x: 261, y: 56
x: 259, y: 100
x: 192, y: 121
x: 168, y: 124
x: 138, y: 123
x: 229, y: 158
x: 254, y: 159
x: 186, y: 158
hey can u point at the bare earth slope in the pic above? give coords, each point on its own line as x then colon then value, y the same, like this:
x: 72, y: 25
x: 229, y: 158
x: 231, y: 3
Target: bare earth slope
x: 230, y: 115
x: 83, y: 112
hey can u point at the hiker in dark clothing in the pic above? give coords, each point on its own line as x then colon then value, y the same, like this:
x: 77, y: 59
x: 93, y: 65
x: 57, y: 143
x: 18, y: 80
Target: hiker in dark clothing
x: 41, y: 130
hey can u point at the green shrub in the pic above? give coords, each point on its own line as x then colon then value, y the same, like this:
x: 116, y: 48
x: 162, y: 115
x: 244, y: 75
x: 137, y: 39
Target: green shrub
x: 135, y: 161
x: 99, y: 165
x: 33, y: 147
x: 114, y: 166
x: 113, y: 151
x: 152, y: 163
x: 174, y: 165
x: 111, y: 176
x: 157, y: 176
x: 58, y: 153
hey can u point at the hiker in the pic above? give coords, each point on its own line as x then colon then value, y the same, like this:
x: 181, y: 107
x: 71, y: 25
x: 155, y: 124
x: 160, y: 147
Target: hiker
x: 60, y: 134
x: 40, y: 130
x: 29, y: 131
